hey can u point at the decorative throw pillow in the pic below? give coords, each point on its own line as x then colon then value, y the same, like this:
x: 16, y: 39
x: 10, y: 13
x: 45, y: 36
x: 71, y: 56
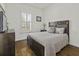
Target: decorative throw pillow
x: 51, y: 30
x: 60, y: 30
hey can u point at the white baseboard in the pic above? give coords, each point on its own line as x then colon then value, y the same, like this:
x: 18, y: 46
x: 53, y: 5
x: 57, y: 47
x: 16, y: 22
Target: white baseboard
x: 74, y: 45
x: 19, y: 39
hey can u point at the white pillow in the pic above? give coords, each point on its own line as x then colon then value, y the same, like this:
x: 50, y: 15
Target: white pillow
x: 51, y: 30
x: 60, y: 30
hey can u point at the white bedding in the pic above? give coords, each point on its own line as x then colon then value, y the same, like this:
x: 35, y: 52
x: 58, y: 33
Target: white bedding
x: 52, y: 42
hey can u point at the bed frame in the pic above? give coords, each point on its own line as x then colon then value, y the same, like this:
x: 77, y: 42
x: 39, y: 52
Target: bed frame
x: 36, y: 47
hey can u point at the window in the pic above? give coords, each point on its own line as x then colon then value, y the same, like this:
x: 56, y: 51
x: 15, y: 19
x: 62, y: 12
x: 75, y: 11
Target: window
x: 29, y: 21
x: 26, y: 23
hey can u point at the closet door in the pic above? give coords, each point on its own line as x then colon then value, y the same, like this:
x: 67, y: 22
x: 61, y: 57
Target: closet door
x: 1, y: 21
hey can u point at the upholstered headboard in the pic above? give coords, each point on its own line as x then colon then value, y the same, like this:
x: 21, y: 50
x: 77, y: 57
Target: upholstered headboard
x: 61, y: 24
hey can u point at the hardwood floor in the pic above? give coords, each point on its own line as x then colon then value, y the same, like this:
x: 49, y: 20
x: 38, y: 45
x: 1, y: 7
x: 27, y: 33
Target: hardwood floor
x: 22, y: 49
x: 69, y: 51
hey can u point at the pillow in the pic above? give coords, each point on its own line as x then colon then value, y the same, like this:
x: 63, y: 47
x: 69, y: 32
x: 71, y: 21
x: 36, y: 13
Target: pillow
x: 51, y: 30
x: 60, y: 30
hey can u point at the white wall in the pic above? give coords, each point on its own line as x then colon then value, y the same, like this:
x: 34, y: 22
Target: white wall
x: 55, y: 12
x: 14, y: 11
x: 70, y: 12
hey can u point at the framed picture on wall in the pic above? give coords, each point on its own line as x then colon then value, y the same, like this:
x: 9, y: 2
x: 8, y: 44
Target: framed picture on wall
x: 38, y: 18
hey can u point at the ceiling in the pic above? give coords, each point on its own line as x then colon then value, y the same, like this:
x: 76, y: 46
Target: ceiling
x: 40, y: 5
x: 36, y: 5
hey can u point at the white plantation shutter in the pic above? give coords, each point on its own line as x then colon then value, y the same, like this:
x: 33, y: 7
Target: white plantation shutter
x: 26, y: 23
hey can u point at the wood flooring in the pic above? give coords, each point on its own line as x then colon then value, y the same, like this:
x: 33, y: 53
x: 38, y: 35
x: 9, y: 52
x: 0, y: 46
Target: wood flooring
x: 69, y: 51
x: 22, y: 49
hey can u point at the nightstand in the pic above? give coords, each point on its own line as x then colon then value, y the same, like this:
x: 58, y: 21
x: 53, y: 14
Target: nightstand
x: 43, y: 30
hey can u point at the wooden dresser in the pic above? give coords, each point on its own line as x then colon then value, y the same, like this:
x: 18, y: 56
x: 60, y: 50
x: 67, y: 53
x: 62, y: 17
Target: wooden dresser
x: 8, y: 44
x: 1, y: 43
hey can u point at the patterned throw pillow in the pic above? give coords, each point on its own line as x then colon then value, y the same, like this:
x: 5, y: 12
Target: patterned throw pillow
x: 51, y: 30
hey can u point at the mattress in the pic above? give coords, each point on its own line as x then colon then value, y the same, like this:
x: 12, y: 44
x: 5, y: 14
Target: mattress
x: 52, y: 42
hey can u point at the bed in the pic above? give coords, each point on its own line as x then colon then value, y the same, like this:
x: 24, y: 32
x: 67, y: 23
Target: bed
x: 48, y: 44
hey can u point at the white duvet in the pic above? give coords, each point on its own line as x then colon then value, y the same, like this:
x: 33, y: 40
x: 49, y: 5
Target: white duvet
x: 52, y: 42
